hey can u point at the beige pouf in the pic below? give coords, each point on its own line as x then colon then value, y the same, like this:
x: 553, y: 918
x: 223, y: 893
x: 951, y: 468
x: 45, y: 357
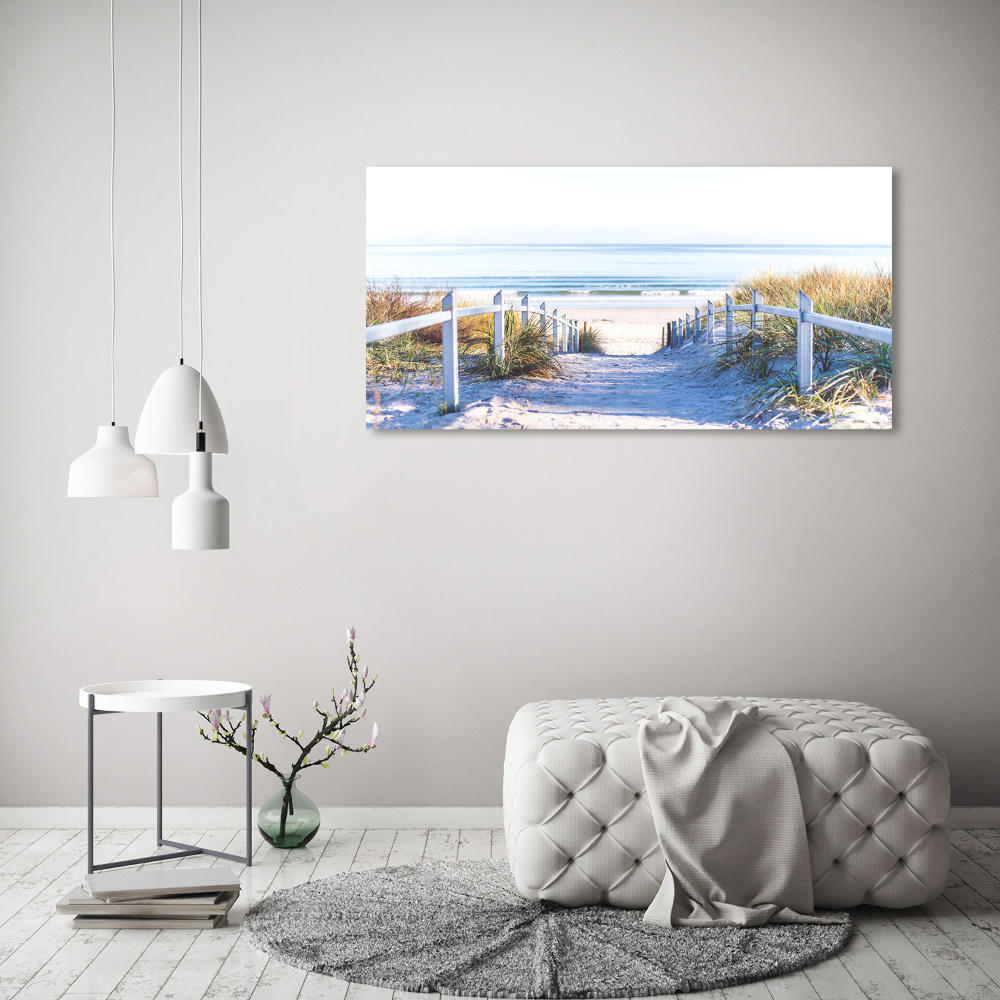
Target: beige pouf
x: 579, y: 831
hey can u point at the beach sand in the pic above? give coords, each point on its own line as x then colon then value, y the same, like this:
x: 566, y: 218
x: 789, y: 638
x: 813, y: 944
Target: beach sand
x: 632, y: 330
x: 635, y: 385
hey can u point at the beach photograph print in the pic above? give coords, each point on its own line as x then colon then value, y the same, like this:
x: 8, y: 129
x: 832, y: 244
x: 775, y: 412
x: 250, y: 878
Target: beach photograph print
x: 629, y: 298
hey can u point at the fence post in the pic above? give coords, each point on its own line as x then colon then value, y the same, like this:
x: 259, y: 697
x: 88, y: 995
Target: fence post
x: 710, y: 325
x: 755, y: 301
x: 804, y: 346
x: 671, y: 338
x: 449, y: 353
x: 525, y: 312
x: 576, y: 336
x: 573, y: 331
x: 697, y: 321
x: 498, y: 347
x: 729, y: 324
x: 543, y: 321
x: 556, y: 347
x: 687, y: 325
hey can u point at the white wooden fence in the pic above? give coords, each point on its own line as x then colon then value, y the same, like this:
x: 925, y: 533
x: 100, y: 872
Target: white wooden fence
x: 565, y: 332
x: 805, y: 319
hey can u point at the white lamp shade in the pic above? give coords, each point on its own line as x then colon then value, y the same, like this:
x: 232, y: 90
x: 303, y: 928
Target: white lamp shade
x: 200, y: 515
x: 111, y: 468
x: 169, y: 420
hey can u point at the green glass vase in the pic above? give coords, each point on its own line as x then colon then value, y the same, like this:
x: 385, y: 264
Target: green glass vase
x: 289, y: 818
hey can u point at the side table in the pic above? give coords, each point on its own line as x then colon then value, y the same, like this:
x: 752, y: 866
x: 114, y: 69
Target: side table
x: 161, y: 696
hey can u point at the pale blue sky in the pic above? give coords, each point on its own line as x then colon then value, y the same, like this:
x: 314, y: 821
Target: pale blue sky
x: 844, y: 205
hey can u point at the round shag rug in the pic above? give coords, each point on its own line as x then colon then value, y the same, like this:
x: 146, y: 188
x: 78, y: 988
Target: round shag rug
x: 461, y: 927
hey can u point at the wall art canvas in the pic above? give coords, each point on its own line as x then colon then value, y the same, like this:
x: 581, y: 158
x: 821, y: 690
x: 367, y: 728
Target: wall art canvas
x: 629, y: 298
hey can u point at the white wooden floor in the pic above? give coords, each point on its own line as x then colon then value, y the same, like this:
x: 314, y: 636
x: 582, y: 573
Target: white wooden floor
x: 949, y: 948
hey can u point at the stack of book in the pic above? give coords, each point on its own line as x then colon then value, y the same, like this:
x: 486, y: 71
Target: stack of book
x: 175, y: 897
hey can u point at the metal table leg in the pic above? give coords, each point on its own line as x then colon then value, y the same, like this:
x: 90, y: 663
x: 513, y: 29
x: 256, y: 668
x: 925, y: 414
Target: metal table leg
x: 185, y: 850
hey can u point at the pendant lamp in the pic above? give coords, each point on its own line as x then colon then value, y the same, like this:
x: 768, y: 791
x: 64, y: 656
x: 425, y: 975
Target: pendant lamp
x: 200, y: 515
x: 169, y: 421
x: 181, y: 415
x: 112, y: 468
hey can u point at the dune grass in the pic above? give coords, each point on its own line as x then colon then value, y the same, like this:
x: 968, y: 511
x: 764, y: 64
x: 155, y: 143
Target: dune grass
x: 400, y: 358
x: 591, y: 340
x: 526, y: 351
x: 848, y: 369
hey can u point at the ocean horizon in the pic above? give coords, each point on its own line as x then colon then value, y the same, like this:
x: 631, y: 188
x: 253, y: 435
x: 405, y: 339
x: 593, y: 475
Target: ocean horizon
x: 635, y: 273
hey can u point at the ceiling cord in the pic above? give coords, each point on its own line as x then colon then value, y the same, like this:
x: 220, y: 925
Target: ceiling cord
x: 113, y: 135
x: 201, y: 331
x: 180, y: 160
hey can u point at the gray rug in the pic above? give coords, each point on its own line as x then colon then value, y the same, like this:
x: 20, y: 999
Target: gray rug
x: 460, y: 927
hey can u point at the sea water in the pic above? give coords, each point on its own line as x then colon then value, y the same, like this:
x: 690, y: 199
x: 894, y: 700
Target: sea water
x: 619, y: 274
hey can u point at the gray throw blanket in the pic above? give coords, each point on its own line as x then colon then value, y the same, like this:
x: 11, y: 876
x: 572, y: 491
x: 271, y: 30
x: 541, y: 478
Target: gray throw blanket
x: 728, y: 817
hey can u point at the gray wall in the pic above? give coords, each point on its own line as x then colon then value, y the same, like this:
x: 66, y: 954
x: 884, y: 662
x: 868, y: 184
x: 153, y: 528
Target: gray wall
x: 481, y: 571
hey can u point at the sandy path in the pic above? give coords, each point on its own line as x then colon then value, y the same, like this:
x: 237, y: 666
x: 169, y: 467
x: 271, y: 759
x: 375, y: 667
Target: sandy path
x: 633, y: 330
x: 607, y: 392
x: 664, y: 390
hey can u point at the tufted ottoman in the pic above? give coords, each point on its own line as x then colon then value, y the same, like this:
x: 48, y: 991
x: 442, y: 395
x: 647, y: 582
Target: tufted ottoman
x: 579, y: 831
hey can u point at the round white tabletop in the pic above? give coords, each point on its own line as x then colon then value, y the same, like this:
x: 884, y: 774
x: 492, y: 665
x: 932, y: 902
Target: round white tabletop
x: 165, y: 696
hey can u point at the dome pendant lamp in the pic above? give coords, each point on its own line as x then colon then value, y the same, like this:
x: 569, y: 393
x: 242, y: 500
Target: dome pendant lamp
x: 181, y: 415
x: 111, y: 468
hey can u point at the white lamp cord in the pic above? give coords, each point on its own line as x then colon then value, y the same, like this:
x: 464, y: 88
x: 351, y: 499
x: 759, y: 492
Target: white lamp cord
x: 180, y: 161
x: 113, y: 133
x: 201, y: 331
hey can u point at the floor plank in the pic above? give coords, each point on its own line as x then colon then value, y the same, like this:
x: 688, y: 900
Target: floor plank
x: 374, y: 850
x: 793, y: 986
x: 110, y: 967
x: 279, y: 982
x: 317, y: 987
x: 912, y: 969
x: 32, y: 855
x: 152, y: 969
x: 832, y: 981
x: 966, y: 934
x: 991, y: 838
x: 339, y: 853
x: 475, y: 845
x: 964, y: 975
x: 17, y: 842
x: 442, y: 845
x: 973, y: 848
x: 870, y: 970
x: 79, y: 950
x: 748, y: 991
x: 499, y: 845
x: 407, y: 847
x: 358, y: 991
